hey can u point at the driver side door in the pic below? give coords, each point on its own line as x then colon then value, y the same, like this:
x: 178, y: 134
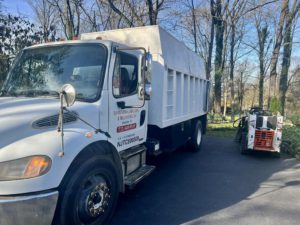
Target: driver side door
x: 128, y: 125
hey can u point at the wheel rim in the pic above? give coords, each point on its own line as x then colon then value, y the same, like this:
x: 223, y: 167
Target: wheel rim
x: 199, y: 135
x: 94, y: 199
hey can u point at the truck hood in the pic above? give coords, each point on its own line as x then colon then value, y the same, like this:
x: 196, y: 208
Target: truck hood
x: 17, y: 116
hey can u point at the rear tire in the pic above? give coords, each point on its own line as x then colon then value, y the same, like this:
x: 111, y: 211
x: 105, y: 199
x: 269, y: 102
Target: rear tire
x: 89, y: 193
x: 195, y: 142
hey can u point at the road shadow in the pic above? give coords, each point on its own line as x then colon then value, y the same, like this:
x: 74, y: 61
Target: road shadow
x: 187, y: 185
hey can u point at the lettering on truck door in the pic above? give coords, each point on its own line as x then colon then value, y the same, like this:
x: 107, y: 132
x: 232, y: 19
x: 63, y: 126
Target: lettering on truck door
x: 127, y: 125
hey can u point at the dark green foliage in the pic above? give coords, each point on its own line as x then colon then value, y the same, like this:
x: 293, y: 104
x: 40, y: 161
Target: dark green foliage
x: 15, y: 34
x: 295, y: 119
x: 291, y: 140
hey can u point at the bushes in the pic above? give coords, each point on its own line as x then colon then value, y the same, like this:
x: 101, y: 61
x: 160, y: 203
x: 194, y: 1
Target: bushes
x: 275, y: 105
x: 295, y: 119
x: 291, y: 140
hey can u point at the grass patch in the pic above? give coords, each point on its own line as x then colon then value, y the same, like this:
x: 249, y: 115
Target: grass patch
x: 290, y: 136
x: 221, y: 130
x: 291, y: 140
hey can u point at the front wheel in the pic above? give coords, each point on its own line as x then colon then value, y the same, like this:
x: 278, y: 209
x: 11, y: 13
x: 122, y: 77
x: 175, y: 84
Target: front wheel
x: 244, y: 144
x: 89, y: 195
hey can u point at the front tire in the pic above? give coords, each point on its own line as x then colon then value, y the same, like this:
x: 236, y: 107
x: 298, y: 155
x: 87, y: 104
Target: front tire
x: 89, y: 194
x: 244, y: 144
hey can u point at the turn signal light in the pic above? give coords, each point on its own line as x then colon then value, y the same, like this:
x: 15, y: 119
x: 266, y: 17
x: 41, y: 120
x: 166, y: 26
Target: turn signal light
x: 37, y: 166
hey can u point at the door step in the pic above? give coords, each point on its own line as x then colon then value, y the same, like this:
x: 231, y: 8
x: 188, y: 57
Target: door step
x: 138, y: 175
x: 125, y: 155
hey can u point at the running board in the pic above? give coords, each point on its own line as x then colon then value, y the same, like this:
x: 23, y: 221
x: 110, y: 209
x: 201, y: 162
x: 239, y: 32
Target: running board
x: 135, y: 177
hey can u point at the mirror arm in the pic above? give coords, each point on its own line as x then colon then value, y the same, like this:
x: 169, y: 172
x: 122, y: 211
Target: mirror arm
x: 60, y: 127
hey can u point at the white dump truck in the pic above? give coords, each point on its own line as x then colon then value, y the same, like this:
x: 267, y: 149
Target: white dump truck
x: 78, y: 119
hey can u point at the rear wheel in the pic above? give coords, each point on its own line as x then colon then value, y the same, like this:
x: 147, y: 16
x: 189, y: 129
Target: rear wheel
x: 89, y: 195
x: 195, y: 142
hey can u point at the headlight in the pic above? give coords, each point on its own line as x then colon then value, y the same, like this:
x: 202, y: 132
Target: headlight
x: 24, y: 168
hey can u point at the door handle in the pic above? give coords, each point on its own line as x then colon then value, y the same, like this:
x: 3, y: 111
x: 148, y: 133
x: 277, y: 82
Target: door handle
x: 143, y: 117
x: 121, y: 105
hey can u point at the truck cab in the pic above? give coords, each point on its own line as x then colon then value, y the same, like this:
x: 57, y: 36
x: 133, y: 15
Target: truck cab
x: 108, y: 84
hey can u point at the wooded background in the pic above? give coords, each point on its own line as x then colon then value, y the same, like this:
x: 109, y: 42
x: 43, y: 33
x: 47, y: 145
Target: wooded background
x: 250, y: 47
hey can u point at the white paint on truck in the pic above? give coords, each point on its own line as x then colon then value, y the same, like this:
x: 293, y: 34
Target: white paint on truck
x: 118, y: 111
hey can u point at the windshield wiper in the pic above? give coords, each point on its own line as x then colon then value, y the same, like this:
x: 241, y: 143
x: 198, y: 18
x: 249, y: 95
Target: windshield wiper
x: 36, y: 93
x: 49, y: 92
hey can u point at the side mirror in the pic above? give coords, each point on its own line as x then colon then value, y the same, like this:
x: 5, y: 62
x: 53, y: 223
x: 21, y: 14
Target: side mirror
x: 141, y: 91
x: 148, y: 76
x: 68, y: 94
x: 148, y: 91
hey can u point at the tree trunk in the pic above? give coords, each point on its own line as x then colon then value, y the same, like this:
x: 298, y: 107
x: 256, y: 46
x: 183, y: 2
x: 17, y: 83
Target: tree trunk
x: 219, y: 56
x: 241, y: 96
x: 225, y: 100
x: 286, y: 58
x: 194, y: 26
x: 278, y: 41
x: 151, y: 12
x: 211, y: 42
x: 69, y: 17
x: 231, y: 74
x: 262, y: 37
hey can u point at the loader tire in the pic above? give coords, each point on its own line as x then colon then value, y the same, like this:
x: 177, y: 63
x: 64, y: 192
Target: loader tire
x: 244, y: 144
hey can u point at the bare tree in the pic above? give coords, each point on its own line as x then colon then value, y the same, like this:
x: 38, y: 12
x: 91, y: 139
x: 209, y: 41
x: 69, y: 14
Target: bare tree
x: 219, y: 25
x: 234, y: 15
x: 153, y: 9
x: 194, y: 31
x: 69, y: 13
x: 211, y: 40
x: 242, y: 77
x: 262, y: 27
x: 137, y: 13
x: 291, y: 16
x: 277, y: 45
x: 46, y: 16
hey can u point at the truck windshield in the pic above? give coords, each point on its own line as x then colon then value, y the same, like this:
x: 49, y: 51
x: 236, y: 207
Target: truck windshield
x: 42, y: 71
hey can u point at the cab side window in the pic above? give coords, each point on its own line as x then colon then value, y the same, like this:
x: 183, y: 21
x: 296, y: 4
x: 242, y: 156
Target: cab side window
x: 125, y: 77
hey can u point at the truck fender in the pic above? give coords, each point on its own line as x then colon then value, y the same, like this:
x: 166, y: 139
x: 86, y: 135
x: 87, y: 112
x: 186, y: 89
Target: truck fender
x: 99, y: 148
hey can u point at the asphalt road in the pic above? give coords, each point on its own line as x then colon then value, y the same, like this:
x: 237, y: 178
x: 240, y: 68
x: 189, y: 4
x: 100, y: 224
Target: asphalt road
x: 215, y: 186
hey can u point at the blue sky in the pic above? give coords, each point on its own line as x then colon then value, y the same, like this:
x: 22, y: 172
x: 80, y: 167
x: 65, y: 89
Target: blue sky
x: 22, y: 8
x: 18, y: 7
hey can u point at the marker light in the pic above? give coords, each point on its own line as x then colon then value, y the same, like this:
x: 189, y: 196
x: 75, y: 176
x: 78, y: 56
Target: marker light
x: 24, y: 168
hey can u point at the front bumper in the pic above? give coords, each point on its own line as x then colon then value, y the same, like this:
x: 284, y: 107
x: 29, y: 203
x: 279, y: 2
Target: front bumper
x: 31, y: 209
